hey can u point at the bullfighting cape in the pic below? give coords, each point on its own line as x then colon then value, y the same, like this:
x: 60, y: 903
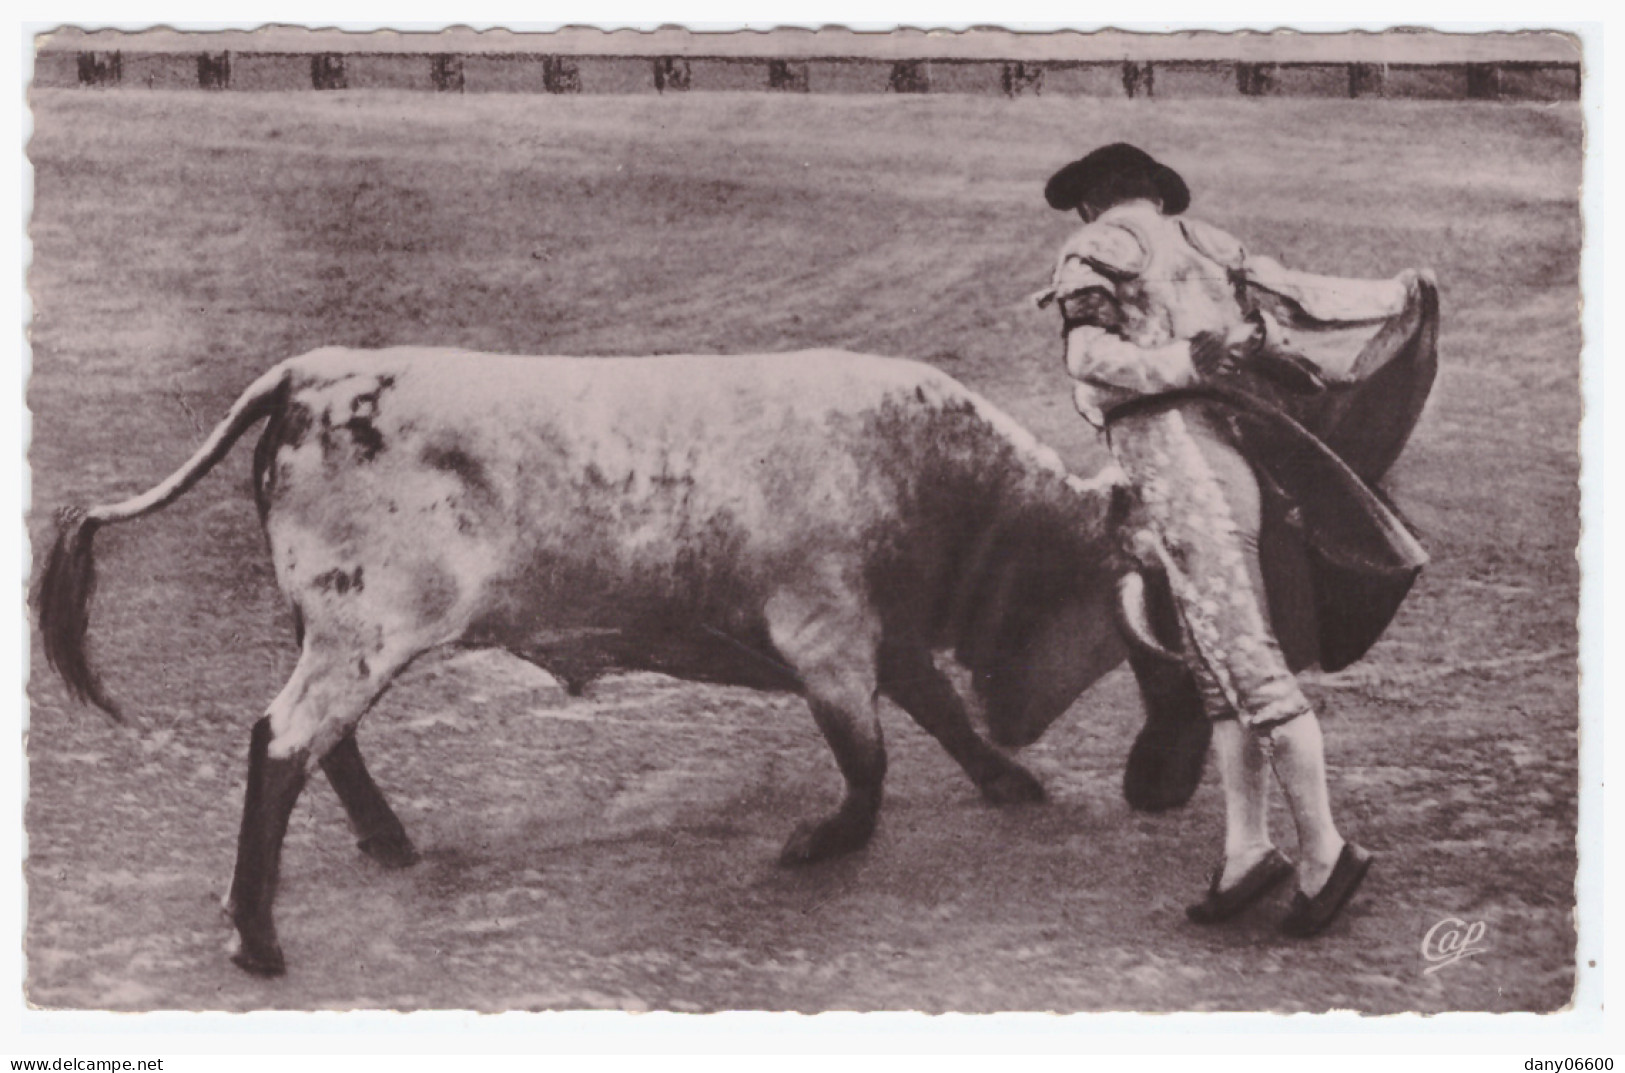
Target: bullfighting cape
x: 1361, y: 557
x: 1337, y: 559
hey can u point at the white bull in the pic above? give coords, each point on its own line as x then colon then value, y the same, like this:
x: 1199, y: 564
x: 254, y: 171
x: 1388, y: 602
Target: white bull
x: 818, y: 521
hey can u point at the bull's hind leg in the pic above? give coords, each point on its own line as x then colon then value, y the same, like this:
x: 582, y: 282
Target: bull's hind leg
x: 909, y: 677
x: 331, y: 688
x: 379, y: 833
x: 832, y: 644
x: 273, y: 787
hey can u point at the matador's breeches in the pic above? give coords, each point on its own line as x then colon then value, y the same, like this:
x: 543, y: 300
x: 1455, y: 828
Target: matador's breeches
x: 1198, y: 519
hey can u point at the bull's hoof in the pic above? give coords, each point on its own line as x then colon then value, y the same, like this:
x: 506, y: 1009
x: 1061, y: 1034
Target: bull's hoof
x: 392, y: 849
x: 259, y: 955
x: 818, y: 840
x: 1013, y: 785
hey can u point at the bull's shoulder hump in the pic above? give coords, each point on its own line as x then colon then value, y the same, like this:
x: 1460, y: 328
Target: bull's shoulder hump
x: 811, y: 379
x: 928, y: 387
x: 1026, y: 444
x: 789, y: 365
x: 881, y: 370
x: 858, y: 379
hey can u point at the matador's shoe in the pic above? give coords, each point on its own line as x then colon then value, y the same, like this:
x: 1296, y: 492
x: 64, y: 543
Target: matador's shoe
x: 1261, y: 878
x: 1311, y: 916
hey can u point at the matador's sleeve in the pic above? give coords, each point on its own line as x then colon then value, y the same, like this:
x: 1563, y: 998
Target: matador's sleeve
x: 1110, y: 370
x: 1109, y: 360
x: 1104, y: 254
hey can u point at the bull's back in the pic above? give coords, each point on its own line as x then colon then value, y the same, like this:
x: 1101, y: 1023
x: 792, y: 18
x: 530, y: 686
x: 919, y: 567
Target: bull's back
x: 542, y: 495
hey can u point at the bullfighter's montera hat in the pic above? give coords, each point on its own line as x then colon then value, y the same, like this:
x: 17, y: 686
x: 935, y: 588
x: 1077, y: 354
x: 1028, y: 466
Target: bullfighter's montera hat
x: 1104, y: 173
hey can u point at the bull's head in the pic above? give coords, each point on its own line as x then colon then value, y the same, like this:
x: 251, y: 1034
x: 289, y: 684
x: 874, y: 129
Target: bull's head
x: 1041, y: 628
x: 1048, y: 626
x: 1050, y: 600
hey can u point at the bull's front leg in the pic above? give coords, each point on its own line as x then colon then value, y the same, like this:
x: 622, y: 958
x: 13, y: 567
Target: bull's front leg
x: 379, y: 833
x: 833, y: 646
x: 910, y: 677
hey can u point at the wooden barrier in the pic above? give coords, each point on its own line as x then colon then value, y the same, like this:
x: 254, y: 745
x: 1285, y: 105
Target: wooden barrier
x: 978, y: 77
x: 1539, y: 82
x: 264, y: 71
x: 1195, y: 78
x: 329, y: 71
x: 214, y: 70
x: 1139, y: 79
x: 848, y: 76
x: 787, y: 76
x: 493, y: 72
x: 1086, y: 80
x: 617, y: 74
x: 1021, y: 79
x: 388, y: 71
x: 1435, y: 82
x: 158, y: 70
x: 504, y: 74
x: 728, y: 75
x: 910, y: 76
x: 1311, y: 80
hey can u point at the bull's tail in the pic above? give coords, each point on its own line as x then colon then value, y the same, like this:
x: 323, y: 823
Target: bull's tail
x: 63, y: 596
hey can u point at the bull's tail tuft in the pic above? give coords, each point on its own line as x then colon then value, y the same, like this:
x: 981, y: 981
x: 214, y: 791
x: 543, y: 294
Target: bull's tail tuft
x: 63, y: 596
x: 63, y: 602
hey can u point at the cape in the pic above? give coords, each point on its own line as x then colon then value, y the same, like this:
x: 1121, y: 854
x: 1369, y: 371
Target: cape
x: 1337, y: 558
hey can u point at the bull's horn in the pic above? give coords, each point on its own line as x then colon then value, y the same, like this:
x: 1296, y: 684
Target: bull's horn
x: 1042, y: 299
x: 1134, y: 618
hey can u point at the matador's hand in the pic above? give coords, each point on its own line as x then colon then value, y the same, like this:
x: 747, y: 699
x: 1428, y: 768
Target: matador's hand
x: 1213, y: 356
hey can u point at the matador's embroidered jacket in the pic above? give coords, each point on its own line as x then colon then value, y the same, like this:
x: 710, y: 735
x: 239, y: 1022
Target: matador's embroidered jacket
x: 1137, y: 287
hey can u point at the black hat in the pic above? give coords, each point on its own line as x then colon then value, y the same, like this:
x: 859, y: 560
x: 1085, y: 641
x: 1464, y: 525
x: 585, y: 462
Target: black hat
x: 1115, y: 173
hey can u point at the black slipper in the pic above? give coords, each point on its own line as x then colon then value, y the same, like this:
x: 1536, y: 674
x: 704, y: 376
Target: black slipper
x: 1311, y: 916
x: 1261, y: 878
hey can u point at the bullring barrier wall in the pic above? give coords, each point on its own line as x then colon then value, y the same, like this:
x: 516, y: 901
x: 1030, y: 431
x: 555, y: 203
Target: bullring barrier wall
x: 529, y: 72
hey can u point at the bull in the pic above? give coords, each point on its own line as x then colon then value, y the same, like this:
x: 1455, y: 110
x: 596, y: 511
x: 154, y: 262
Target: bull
x: 822, y: 522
